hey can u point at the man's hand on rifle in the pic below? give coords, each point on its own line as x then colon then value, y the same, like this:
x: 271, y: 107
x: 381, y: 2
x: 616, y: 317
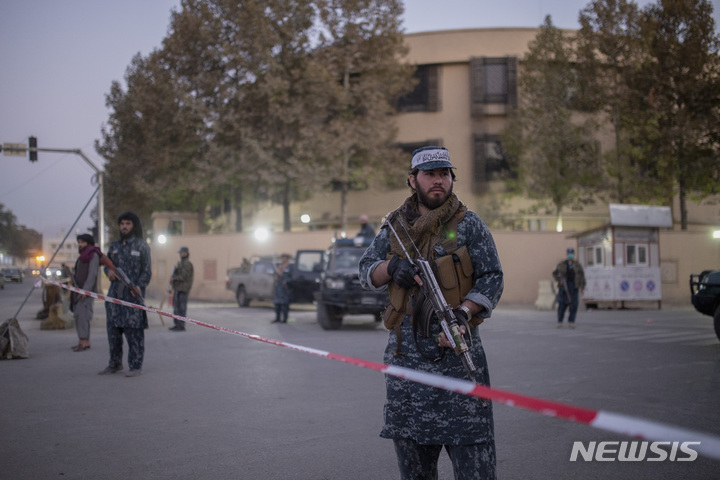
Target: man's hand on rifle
x: 112, y: 277
x: 403, y: 273
x: 463, y: 313
x: 443, y: 341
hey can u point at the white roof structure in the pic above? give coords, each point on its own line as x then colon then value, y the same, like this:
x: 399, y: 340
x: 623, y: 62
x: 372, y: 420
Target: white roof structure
x: 640, y: 215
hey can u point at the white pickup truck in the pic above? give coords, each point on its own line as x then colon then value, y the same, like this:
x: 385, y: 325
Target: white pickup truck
x: 254, y: 280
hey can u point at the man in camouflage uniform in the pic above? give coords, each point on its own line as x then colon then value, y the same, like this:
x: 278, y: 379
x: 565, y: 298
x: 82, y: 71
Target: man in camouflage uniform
x: 421, y: 419
x: 181, y: 281
x: 131, y: 254
x: 570, y: 278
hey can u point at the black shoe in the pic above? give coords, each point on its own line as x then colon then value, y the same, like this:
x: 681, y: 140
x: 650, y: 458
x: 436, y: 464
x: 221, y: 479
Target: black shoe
x: 275, y: 321
x: 176, y: 329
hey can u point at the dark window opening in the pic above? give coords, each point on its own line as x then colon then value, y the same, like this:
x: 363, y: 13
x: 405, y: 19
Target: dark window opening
x: 493, y: 81
x: 424, y: 97
x: 491, y: 163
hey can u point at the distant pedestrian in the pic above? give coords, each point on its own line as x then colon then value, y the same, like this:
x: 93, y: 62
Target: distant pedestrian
x: 281, y: 293
x: 181, y: 281
x: 131, y: 254
x: 84, y: 277
x: 570, y: 278
x: 366, y: 230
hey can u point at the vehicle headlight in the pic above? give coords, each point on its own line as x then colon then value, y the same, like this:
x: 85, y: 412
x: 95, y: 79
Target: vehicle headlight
x: 334, y: 284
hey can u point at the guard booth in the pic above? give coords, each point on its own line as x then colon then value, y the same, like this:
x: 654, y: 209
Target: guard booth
x: 622, y: 258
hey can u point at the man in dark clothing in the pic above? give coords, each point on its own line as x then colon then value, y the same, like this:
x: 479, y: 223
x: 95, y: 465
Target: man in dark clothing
x: 131, y: 254
x: 181, y: 281
x: 366, y: 230
x: 421, y: 420
x: 570, y: 278
x: 84, y: 277
x: 281, y: 289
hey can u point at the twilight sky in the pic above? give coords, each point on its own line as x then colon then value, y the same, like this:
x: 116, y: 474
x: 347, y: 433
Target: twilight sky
x: 60, y: 57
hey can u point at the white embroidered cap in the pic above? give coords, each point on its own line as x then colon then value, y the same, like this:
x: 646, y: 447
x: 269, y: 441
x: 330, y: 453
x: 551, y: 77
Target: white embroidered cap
x: 430, y: 158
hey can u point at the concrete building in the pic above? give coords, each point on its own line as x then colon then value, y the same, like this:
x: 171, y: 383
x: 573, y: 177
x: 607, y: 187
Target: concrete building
x: 67, y: 253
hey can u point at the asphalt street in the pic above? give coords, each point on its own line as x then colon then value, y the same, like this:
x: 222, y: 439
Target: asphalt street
x: 215, y: 405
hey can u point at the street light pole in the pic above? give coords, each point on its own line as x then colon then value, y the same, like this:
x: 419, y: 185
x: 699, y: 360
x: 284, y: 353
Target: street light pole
x: 98, y: 176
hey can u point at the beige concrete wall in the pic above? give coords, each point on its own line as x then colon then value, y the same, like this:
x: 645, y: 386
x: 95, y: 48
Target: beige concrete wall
x: 527, y: 258
x: 449, y: 46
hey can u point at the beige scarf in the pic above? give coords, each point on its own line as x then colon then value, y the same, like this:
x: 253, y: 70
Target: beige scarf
x: 427, y: 231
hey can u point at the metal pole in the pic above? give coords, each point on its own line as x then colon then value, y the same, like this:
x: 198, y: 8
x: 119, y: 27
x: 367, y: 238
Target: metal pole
x: 53, y: 256
x: 101, y: 194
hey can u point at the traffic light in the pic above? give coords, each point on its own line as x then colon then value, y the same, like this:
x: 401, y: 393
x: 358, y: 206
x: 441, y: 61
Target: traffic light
x: 32, y: 143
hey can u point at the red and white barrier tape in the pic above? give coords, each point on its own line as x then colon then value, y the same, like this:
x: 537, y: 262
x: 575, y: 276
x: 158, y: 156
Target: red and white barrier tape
x: 613, y: 422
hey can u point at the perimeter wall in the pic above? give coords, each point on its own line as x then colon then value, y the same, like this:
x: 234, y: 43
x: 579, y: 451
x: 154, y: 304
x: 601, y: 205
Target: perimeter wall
x: 526, y: 257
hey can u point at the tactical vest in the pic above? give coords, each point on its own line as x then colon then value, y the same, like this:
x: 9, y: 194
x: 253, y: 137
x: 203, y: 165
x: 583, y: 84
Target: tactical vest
x: 454, y: 274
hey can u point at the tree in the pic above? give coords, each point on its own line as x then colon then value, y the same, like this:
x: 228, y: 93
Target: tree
x: 152, y: 143
x: 680, y: 85
x: 360, y: 44
x: 551, y: 146
x: 249, y: 92
x: 610, y: 48
x: 17, y: 240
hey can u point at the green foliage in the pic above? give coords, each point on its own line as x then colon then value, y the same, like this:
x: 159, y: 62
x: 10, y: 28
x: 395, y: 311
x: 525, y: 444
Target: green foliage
x: 681, y: 85
x: 244, y: 99
x: 17, y: 240
x: 650, y: 77
x: 551, y: 149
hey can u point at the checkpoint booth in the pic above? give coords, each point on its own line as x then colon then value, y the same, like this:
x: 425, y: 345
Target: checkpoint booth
x: 622, y: 258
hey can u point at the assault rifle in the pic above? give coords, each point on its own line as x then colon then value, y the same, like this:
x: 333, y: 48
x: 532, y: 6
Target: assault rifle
x: 123, y: 278
x: 134, y: 289
x: 443, y: 311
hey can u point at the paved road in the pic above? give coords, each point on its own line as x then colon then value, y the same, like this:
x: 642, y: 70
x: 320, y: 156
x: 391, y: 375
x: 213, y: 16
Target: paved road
x: 216, y: 405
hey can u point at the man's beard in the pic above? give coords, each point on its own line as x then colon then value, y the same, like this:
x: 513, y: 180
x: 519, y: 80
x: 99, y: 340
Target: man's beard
x: 432, y: 203
x: 125, y: 236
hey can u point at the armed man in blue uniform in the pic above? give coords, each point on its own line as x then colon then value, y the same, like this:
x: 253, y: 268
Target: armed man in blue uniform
x: 420, y: 419
x: 131, y: 254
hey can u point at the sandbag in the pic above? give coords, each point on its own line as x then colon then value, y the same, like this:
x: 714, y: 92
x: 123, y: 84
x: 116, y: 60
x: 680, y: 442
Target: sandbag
x: 13, y: 341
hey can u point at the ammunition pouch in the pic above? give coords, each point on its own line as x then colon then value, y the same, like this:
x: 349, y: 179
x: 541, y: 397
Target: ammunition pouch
x: 454, y: 274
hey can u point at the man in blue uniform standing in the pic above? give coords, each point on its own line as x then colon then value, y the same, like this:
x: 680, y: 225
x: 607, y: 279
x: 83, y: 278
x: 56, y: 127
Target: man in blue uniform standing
x: 131, y: 254
x: 420, y: 419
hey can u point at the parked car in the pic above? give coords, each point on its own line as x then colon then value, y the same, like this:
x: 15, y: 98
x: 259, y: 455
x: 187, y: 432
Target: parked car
x: 254, y: 280
x: 340, y: 292
x: 13, y: 274
x: 705, y: 295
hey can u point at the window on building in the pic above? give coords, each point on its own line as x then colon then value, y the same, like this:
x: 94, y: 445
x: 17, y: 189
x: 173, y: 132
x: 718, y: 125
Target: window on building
x: 594, y: 256
x: 175, y: 227
x: 537, y: 224
x: 408, y: 148
x: 425, y: 96
x: 636, y: 255
x: 490, y: 161
x: 492, y: 81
